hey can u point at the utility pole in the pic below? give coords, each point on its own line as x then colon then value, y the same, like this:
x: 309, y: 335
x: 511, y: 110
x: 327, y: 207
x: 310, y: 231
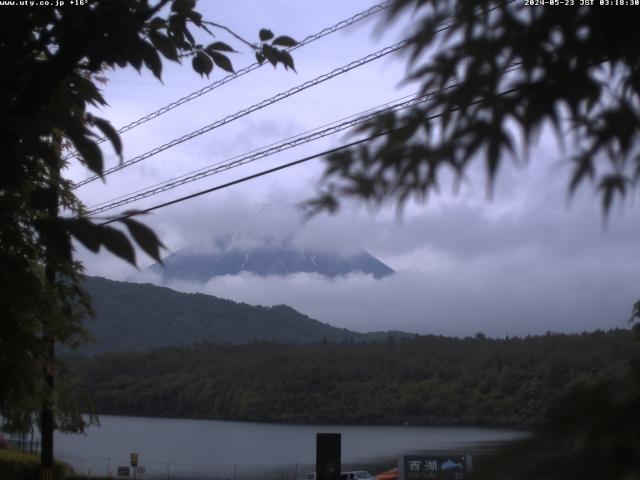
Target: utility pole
x: 47, y: 422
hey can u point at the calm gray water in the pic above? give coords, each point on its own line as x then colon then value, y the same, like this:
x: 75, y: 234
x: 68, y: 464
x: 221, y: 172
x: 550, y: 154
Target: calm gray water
x: 174, y: 448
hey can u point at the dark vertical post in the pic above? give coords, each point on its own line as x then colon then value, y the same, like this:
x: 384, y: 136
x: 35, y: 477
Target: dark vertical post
x: 46, y: 415
x: 47, y: 425
x: 328, y: 456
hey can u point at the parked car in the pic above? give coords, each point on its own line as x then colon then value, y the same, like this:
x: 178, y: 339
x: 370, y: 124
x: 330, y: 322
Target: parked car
x: 355, y: 475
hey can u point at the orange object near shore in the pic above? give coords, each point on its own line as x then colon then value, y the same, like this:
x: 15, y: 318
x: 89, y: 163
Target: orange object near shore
x: 392, y: 474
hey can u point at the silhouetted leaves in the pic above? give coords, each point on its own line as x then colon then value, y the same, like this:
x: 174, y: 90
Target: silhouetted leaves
x: 284, y: 41
x: 265, y: 35
x: 54, y: 237
x: 85, y: 232
x: 275, y: 56
x: 151, y: 59
x: 52, y: 62
x: 610, y: 185
x: 495, y: 64
x: 202, y: 63
x: 89, y: 151
x: 117, y: 243
x: 86, y: 90
x: 220, y: 46
x: 164, y: 45
x: 145, y: 237
x: 221, y: 61
x: 109, y: 132
x: 94, y: 236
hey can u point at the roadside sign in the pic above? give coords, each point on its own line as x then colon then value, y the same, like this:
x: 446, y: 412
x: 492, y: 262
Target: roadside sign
x: 123, y: 472
x: 435, y: 467
x: 140, y: 472
x: 134, y: 459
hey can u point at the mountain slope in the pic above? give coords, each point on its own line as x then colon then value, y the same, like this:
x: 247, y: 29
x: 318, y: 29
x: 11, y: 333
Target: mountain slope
x: 264, y: 258
x: 132, y: 317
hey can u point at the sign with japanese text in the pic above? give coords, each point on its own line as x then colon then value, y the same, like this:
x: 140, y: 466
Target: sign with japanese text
x: 435, y: 467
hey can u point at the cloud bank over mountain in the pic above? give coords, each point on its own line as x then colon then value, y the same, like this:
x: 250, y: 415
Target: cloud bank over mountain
x: 522, y: 263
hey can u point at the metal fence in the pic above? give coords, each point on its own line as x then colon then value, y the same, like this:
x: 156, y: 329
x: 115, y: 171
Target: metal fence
x: 24, y: 442
x: 101, y: 467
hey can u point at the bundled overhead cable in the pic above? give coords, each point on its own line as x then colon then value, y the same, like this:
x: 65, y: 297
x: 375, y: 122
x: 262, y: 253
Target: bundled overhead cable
x: 254, y: 155
x: 324, y: 153
x: 271, y: 149
x: 133, y: 213
x: 253, y: 108
x: 218, y: 83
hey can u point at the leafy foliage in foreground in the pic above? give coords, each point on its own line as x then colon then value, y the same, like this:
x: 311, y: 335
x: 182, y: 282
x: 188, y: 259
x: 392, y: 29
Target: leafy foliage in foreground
x: 501, y: 69
x: 52, y: 58
x: 592, y: 431
x: 428, y: 380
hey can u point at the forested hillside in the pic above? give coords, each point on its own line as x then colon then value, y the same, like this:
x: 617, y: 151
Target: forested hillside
x: 132, y: 316
x: 427, y: 380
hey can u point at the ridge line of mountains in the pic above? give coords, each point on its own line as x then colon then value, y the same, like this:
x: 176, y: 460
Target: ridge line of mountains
x: 138, y: 317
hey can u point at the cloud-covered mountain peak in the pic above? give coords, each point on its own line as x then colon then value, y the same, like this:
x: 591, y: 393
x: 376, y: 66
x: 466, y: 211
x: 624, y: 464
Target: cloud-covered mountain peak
x: 264, y: 256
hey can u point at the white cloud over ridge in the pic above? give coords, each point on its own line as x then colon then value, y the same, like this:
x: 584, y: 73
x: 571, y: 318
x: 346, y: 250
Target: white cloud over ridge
x: 460, y: 301
x: 521, y: 263
x: 515, y: 266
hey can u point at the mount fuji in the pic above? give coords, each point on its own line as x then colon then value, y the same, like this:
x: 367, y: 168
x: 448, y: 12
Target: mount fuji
x: 263, y: 257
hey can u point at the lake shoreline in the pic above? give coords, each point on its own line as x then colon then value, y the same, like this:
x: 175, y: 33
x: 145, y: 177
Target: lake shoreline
x: 189, y: 448
x: 338, y: 422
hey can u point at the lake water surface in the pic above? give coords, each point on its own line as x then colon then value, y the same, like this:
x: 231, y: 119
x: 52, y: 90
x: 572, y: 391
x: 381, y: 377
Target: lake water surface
x: 175, y: 448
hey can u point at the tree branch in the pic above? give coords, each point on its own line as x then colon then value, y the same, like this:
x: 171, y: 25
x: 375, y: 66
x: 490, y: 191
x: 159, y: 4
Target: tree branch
x: 227, y: 29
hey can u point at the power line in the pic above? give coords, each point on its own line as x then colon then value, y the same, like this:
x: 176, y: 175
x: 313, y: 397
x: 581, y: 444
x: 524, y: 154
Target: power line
x: 269, y: 150
x: 286, y: 165
x: 244, y: 112
x: 218, y: 83
x: 244, y: 179
x: 282, y: 95
x: 273, y: 148
x: 255, y: 150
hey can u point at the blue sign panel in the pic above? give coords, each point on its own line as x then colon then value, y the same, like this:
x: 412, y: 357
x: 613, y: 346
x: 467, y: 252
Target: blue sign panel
x: 436, y: 467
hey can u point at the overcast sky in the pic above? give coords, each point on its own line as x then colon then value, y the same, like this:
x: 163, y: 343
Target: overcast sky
x: 525, y: 262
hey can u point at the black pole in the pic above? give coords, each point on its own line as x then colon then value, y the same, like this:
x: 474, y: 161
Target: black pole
x: 47, y: 422
x: 328, y: 456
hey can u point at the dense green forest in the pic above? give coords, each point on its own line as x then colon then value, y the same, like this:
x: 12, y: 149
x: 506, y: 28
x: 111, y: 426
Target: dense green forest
x: 426, y: 380
x: 164, y: 317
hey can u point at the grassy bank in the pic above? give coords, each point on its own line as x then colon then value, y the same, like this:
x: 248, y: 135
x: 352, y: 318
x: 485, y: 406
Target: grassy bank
x: 16, y: 465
